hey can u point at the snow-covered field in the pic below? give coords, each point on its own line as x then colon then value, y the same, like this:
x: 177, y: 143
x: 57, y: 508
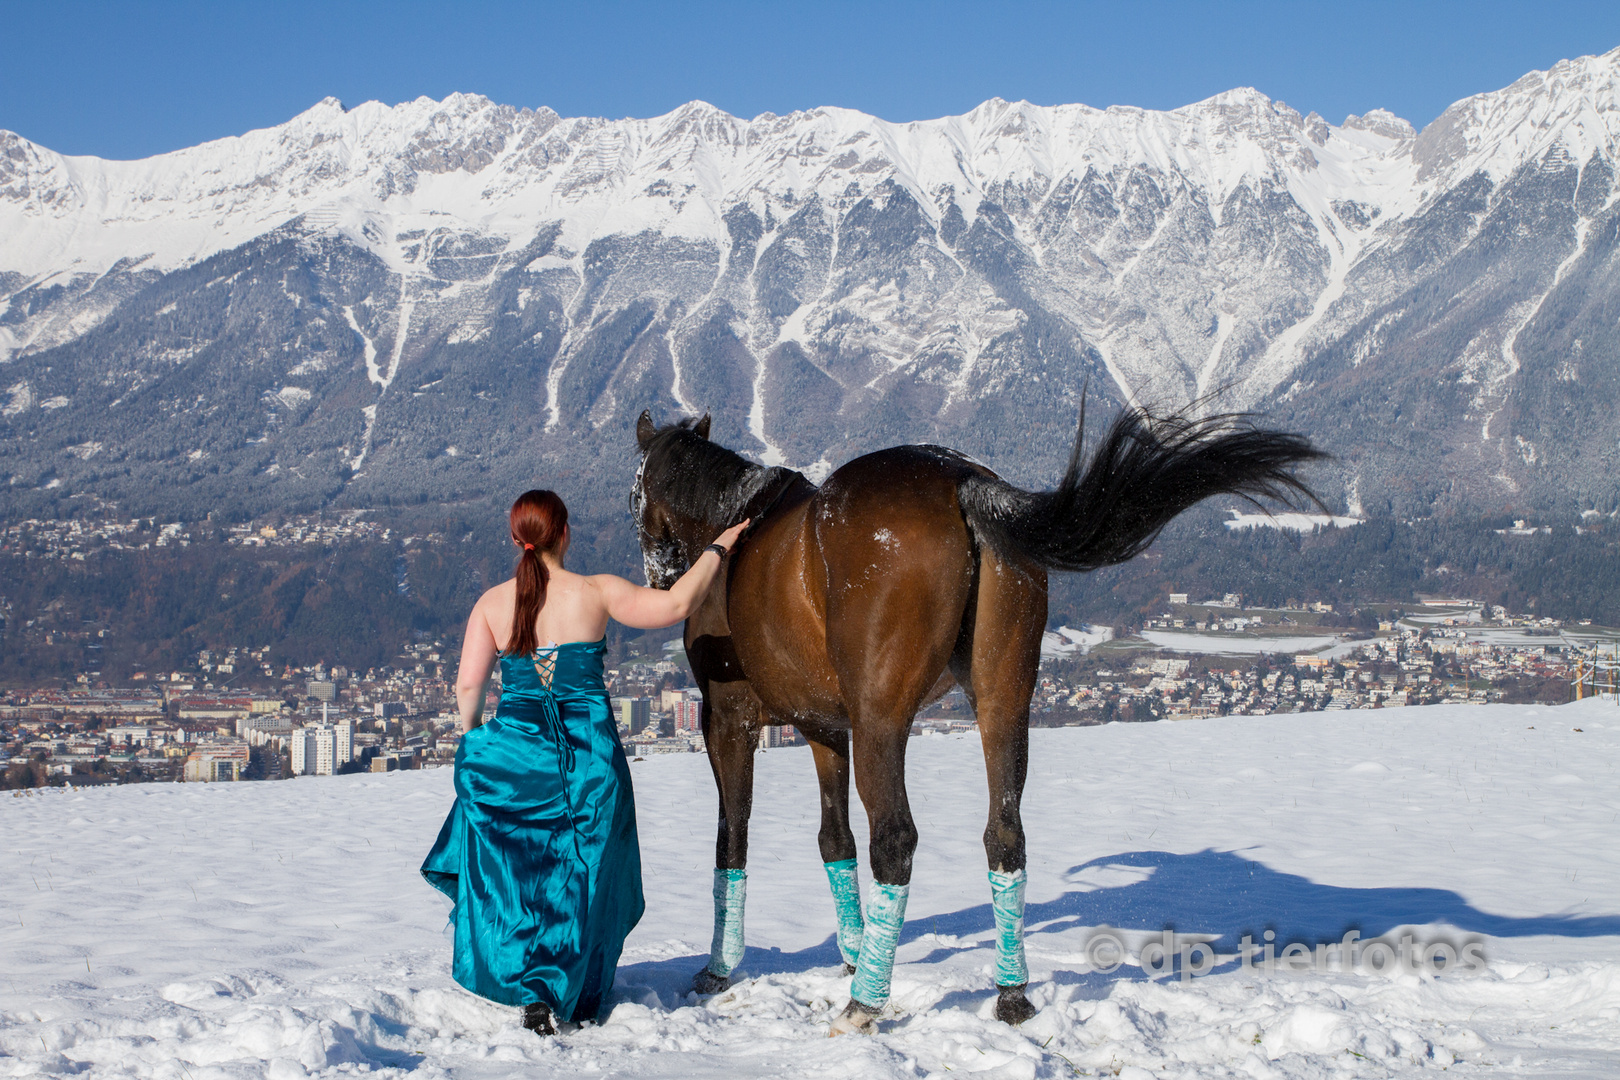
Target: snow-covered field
x: 1292, y: 522
x: 1232, y: 645
x: 1066, y: 641
x: 197, y: 932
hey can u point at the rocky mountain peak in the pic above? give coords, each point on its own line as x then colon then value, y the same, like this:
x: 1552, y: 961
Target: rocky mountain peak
x: 329, y: 306
x: 1381, y: 122
x: 1575, y: 105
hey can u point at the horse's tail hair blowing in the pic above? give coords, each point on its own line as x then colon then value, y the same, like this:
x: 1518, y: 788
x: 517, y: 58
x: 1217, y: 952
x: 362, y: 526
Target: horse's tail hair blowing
x: 1146, y: 470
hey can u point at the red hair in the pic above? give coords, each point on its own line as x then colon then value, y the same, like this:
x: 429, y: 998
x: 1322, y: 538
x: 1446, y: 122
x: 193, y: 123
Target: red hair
x: 538, y: 519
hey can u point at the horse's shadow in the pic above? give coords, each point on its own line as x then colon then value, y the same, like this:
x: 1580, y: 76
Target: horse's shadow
x: 1218, y: 894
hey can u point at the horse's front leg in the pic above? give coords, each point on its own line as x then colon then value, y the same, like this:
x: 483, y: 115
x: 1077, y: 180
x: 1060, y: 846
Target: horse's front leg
x: 880, y: 777
x: 837, y: 842
x: 730, y: 734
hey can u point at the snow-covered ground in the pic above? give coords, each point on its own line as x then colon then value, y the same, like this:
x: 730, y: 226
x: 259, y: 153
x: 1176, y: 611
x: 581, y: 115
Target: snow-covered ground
x: 1066, y: 641
x: 1292, y: 522
x: 1232, y: 645
x: 197, y: 932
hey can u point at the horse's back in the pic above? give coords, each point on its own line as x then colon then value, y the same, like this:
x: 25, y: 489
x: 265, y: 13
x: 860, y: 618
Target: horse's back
x: 893, y: 514
x: 918, y: 481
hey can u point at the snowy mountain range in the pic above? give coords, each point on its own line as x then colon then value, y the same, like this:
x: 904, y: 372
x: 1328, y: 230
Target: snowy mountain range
x: 444, y: 300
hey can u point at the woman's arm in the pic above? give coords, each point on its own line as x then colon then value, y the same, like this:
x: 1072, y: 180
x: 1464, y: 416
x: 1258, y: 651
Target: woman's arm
x: 477, y: 658
x: 651, y: 609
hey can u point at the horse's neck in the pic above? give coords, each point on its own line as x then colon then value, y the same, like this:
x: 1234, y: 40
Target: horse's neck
x: 766, y: 488
x: 736, y: 502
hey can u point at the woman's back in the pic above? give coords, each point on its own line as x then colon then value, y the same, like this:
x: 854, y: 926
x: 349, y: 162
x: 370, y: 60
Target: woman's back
x: 558, y: 671
x: 573, y: 610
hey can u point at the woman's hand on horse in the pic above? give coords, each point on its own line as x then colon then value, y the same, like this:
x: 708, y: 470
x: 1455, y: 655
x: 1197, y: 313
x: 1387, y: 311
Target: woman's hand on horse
x: 650, y: 609
x: 728, y: 539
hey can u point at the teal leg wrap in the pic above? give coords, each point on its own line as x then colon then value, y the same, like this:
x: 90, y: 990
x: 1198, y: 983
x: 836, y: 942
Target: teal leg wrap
x: 730, y: 897
x: 846, y: 891
x: 885, y: 914
x: 1007, y: 899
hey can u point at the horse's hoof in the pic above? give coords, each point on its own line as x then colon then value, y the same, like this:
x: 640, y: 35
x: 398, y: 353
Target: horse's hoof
x: 1013, y: 1007
x: 538, y: 1019
x: 856, y: 1019
x: 707, y: 982
x: 849, y: 969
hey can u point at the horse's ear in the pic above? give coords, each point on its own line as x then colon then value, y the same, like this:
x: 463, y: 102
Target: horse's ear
x: 644, y: 428
x: 702, y: 427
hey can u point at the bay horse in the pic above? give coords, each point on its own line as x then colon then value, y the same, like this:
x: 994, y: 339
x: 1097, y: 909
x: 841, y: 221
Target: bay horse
x: 849, y: 606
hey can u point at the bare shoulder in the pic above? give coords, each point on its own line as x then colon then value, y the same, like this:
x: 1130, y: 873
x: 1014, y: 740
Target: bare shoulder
x: 500, y: 598
x: 608, y: 584
x: 505, y: 590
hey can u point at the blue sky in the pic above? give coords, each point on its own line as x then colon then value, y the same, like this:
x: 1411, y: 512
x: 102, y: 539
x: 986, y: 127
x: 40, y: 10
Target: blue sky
x: 135, y: 78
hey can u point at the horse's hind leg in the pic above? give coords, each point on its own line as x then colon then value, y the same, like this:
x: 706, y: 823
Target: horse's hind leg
x: 880, y: 776
x: 730, y: 733
x: 1002, y: 655
x: 831, y: 750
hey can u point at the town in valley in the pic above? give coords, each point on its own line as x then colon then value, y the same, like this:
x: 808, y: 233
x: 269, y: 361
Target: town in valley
x: 234, y: 715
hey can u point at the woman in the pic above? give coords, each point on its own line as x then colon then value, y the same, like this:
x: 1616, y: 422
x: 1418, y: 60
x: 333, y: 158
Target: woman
x: 539, y: 852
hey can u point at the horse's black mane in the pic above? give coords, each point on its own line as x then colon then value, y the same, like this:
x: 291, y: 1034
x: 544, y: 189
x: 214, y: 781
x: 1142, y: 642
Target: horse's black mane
x: 704, y: 481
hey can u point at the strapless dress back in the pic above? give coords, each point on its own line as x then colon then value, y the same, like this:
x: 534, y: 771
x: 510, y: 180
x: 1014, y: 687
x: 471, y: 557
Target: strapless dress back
x: 539, y: 852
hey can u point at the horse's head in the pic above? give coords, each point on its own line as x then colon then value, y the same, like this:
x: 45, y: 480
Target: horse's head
x: 688, y: 490
x: 664, y: 532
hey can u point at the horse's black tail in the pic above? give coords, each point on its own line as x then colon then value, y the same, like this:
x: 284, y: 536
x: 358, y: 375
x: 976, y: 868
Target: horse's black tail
x: 1146, y: 470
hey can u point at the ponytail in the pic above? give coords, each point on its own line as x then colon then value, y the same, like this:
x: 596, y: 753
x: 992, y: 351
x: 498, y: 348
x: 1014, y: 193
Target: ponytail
x: 538, y: 519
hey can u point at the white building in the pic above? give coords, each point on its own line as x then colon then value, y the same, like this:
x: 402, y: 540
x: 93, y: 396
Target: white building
x: 313, y: 751
x: 320, y: 749
x: 325, y: 752
x: 264, y: 727
x: 301, y: 744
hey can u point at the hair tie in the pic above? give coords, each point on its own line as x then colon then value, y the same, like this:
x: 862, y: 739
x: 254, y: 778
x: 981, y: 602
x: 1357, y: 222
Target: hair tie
x: 528, y: 547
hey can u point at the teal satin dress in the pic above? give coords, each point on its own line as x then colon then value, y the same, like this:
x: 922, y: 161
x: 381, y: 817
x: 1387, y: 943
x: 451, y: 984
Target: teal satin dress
x: 539, y: 852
